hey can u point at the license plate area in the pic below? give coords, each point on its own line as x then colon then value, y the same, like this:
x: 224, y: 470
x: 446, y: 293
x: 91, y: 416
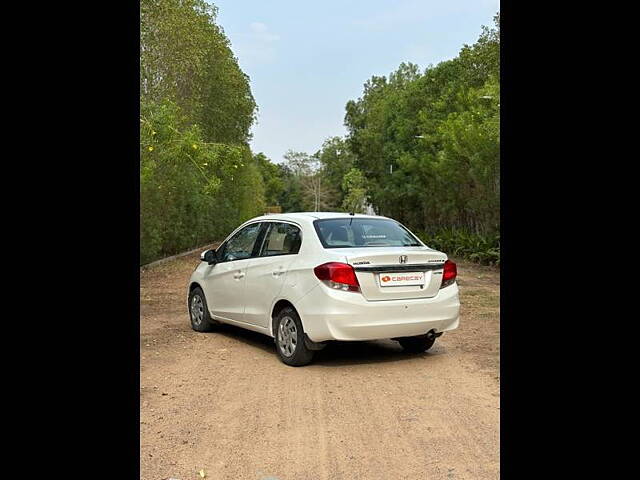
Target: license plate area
x: 401, y: 279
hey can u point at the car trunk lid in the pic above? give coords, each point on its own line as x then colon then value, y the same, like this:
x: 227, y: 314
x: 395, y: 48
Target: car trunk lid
x: 396, y: 273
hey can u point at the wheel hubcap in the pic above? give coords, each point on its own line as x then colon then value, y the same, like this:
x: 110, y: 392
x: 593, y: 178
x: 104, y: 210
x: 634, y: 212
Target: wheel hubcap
x: 287, y: 336
x: 197, y: 310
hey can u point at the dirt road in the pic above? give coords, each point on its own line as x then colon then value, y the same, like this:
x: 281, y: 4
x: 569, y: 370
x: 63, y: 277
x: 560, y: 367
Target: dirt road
x: 223, y: 402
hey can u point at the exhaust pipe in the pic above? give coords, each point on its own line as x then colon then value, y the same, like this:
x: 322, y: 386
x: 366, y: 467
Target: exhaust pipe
x: 432, y: 334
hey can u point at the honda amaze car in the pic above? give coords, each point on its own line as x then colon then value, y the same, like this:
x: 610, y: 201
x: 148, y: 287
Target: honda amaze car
x: 308, y: 278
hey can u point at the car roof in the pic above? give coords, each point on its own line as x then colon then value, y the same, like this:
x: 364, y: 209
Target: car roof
x: 310, y: 216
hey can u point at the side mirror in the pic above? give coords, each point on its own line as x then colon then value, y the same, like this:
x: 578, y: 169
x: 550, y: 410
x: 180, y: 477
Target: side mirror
x: 209, y: 256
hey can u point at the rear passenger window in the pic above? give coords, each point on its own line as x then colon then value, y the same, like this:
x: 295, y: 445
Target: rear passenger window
x: 282, y: 239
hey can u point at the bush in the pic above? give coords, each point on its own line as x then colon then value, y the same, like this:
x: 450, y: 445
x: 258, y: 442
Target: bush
x: 480, y: 248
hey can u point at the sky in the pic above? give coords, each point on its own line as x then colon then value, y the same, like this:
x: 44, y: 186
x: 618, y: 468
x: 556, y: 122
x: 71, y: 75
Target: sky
x: 306, y: 59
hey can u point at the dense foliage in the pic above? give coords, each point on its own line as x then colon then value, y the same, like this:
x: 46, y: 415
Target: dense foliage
x: 192, y: 191
x: 429, y: 143
x: 424, y: 148
x: 198, y: 177
x: 186, y: 57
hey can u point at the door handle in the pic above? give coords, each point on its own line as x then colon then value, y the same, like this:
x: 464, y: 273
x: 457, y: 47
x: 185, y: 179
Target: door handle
x: 238, y: 275
x: 278, y: 272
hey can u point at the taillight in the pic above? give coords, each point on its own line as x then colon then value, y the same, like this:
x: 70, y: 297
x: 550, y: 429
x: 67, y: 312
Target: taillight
x: 340, y: 276
x: 450, y: 273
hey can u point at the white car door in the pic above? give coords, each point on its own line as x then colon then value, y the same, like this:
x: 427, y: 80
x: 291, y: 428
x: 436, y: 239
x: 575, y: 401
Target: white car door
x: 266, y: 273
x: 225, y: 282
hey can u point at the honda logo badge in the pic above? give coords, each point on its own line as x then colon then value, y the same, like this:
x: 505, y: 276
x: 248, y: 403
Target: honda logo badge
x: 403, y: 259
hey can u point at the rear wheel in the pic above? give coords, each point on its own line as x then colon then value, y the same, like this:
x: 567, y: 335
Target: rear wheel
x: 201, y: 321
x: 418, y: 344
x: 289, y: 338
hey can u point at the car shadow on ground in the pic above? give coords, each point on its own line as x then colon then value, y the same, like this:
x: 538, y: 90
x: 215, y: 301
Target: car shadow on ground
x: 335, y: 354
x: 254, y: 339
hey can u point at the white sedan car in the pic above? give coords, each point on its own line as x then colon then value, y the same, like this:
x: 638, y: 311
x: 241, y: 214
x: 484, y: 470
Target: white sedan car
x: 308, y: 278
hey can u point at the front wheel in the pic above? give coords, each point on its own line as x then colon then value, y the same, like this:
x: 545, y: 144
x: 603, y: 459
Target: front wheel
x: 201, y: 321
x: 418, y: 344
x: 289, y: 338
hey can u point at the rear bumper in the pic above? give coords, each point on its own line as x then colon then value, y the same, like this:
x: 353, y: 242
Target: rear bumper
x: 336, y: 315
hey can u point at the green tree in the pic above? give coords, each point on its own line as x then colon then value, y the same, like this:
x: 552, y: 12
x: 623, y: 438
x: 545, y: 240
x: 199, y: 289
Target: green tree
x: 291, y: 197
x: 185, y: 57
x: 180, y: 178
x: 428, y: 142
x: 336, y: 160
x: 198, y: 177
x: 272, y: 177
x: 356, y: 192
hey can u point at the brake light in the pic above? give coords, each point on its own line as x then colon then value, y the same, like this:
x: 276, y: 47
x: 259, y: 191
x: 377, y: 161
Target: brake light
x: 340, y: 276
x: 449, y: 274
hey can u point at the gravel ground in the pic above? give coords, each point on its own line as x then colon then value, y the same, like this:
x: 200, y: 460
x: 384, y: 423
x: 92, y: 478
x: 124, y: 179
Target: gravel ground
x: 223, y: 404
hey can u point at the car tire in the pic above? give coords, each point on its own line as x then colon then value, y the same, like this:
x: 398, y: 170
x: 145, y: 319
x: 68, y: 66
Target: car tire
x: 201, y: 320
x: 289, y: 339
x: 418, y: 344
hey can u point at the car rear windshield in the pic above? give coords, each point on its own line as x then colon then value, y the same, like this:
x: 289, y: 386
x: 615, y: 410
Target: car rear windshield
x: 363, y: 232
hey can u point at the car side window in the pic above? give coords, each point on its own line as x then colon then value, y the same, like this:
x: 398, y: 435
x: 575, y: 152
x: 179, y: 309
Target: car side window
x: 282, y: 239
x: 241, y: 245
